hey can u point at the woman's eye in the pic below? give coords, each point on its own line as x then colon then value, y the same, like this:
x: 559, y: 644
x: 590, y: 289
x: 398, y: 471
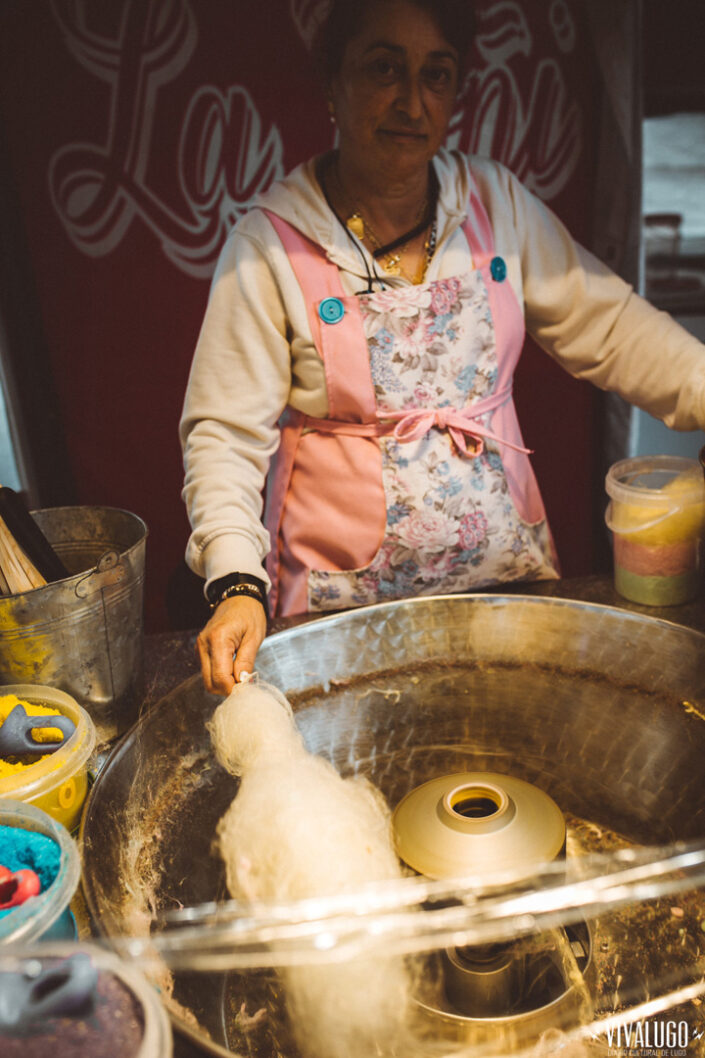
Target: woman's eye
x: 384, y: 70
x: 438, y: 77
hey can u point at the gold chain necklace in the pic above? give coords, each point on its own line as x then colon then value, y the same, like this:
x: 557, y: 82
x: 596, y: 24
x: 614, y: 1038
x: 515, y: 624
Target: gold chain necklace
x: 361, y: 228
x: 392, y: 262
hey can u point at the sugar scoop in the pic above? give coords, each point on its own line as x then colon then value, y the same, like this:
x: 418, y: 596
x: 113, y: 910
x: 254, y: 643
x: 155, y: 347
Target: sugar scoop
x: 16, y: 733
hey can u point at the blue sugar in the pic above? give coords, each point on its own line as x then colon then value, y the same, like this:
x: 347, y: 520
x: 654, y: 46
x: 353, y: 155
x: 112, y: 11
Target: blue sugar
x: 21, y: 848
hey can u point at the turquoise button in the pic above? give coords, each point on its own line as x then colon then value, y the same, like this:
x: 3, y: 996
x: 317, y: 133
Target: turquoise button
x: 498, y: 269
x: 331, y: 310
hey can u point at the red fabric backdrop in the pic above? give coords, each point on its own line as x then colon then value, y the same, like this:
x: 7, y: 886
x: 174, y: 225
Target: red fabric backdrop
x: 137, y: 132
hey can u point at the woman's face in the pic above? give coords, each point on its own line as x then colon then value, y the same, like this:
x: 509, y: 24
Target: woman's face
x: 394, y: 95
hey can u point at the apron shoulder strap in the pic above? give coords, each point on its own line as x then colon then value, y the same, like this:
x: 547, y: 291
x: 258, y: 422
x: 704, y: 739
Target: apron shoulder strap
x: 336, y: 328
x: 316, y: 276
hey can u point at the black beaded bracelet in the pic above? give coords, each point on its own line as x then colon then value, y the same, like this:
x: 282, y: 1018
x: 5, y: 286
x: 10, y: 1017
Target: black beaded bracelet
x: 237, y: 584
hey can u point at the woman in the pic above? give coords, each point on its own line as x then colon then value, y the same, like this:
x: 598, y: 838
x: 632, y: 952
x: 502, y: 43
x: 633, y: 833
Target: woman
x: 364, y: 324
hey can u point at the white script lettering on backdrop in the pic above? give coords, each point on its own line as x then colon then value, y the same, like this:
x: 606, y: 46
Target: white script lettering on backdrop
x: 224, y: 157
x: 538, y: 135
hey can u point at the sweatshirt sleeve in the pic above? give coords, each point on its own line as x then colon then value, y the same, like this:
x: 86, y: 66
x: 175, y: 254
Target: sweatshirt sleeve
x: 238, y: 387
x: 594, y: 324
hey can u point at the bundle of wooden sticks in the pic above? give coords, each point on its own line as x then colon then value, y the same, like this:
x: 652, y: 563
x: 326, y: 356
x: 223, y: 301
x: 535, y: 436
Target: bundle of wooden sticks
x: 27, y: 559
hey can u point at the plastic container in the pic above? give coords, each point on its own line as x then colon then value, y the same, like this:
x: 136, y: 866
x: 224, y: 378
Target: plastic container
x: 58, y: 783
x: 47, y: 915
x: 657, y: 517
x: 125, y: 998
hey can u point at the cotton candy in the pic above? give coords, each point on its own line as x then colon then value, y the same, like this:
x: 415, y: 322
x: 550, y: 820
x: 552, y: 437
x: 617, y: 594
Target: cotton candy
x: 296, y: 829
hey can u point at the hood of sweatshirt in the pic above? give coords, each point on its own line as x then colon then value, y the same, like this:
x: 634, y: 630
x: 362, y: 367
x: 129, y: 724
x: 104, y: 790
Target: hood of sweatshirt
x: 299, y: 200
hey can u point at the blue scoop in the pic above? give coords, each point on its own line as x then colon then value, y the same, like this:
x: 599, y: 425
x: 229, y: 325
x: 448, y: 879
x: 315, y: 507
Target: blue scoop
x: 16, y: 733
x: 28, y: 999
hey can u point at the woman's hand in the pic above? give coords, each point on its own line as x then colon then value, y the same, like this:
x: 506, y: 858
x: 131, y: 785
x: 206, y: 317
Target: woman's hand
x: 228, y: 644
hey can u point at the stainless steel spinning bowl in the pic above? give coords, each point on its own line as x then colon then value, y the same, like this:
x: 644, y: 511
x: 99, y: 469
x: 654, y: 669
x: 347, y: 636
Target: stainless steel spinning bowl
x: 602, y: 709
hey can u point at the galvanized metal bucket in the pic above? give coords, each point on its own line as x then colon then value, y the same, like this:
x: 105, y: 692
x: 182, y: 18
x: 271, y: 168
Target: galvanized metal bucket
x: 83, y: 634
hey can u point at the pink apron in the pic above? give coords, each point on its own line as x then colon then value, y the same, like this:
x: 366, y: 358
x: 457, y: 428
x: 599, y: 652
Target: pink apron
x: 418, y: 482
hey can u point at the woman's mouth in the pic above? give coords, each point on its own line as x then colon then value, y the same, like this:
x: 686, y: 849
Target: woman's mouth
x: 404, y: 135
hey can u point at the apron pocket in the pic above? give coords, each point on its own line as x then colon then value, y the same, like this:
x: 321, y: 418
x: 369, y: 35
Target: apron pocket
x: 335, y: 512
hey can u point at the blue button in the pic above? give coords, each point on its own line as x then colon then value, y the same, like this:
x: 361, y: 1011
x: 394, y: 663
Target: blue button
x: 331, y: 310
x: 498, y: 269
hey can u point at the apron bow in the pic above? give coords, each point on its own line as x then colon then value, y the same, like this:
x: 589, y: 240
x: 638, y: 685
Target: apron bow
x: 461, y: 424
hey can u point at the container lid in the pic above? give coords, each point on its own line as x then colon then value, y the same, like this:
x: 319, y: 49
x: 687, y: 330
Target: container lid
x: 156, y: 1034
x: 33, y: 918
x: 477, y: 823
x: 44, y: 774
x: 662, y: 480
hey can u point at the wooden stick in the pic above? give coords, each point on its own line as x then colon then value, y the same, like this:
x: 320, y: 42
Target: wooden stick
x: 16, y: 516
x: 17, y: 571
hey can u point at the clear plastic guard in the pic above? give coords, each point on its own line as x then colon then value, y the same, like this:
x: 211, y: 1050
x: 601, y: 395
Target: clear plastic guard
x: 608, y: 950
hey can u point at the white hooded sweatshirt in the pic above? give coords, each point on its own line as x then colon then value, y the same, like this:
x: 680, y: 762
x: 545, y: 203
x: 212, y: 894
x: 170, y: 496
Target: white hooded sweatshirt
x: 255, y: 353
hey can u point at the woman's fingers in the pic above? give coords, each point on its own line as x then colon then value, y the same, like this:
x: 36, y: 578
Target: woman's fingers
x: 228, y: 644
x: 247, y: 652
x: 216, y: 663
x: 204, y: 657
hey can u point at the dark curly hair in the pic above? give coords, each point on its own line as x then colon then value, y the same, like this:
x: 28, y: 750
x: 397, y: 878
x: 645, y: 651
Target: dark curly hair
x: 454, y: 18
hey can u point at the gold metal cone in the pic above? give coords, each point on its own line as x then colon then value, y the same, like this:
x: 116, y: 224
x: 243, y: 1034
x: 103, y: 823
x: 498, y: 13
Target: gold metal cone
x: 475, y: 823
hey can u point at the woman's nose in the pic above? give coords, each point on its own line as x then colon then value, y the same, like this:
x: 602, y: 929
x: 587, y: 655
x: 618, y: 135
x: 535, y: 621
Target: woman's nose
x: 409, y: 99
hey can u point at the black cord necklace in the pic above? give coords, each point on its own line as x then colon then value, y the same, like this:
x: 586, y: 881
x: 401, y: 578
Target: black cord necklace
x: 371, y: 278
x: 429, y: 217
x: 428, y: 214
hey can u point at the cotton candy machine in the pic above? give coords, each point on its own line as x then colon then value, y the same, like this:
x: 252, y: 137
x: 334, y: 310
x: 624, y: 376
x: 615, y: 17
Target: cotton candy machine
x: 594, y: 711
x: 475, y: 823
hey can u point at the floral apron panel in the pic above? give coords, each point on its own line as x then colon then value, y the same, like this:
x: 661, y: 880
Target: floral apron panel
x: 421, y: 481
